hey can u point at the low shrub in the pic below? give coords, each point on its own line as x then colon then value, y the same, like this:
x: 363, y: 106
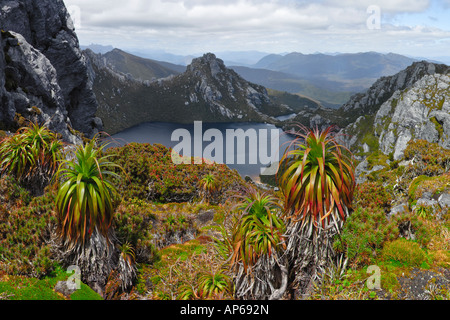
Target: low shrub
x: 150, y: 174
x: 24, y: 234
x: 434, y: 185
x: 133, y: 223
x: 364, y: 234
x: 404, y: 251
x: 373, y: 194
x: 429, y: 158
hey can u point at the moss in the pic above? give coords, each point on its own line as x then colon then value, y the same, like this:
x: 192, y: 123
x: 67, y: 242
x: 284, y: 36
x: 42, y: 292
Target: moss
x: 404, y: 251
x: 24, y: 288
x: 438, y: 127
x: 36, y: 110
x: 394, y: 103
x: 378, y: 158
x: 441, y: 104
x: 414, y: 185
x: 371, y: 141
x: 435, y: 185
x: 19, y: 120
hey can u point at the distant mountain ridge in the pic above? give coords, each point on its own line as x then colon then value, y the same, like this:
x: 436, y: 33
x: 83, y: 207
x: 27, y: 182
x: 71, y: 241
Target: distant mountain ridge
x: 293, y: 84
x: 140, y: 68
x: 328, y: 78
x: 206, y: 91
x: 211, y: 92
x: 342, y: 72
x: 412, y: 104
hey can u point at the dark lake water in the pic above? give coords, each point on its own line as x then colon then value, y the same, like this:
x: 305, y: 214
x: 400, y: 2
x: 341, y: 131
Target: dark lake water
x: 246, y: 147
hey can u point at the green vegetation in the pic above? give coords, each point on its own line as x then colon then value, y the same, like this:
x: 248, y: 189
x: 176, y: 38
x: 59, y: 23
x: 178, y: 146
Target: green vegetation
x: 31, y: 155
x: 364, y: 235
x: 259, y: 230
x: 317, y: 185
x: 85, y: 197
x: 24, y: 288
x: 241, y: 243
x: 150, y: 174
x: 319, y: 179
x: 404, y: 251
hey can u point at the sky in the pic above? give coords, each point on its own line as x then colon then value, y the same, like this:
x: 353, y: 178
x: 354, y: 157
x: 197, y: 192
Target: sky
x: 419, y: 28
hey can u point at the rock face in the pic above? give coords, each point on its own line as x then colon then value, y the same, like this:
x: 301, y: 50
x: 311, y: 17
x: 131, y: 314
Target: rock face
x: 420, y: 111
x: 43, y: 73
x: 212, y: 77
x: 356, y: 116
x: 413, y: 104
x: 383, y: 88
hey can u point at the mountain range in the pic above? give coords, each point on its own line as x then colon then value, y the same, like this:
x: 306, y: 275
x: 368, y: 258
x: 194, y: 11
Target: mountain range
x: 207, y: 90
x: 54, y: 81
x: 330, y: 79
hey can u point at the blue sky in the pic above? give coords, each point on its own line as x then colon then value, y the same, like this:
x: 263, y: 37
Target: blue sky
x: 412, y: 27
x: 436, y: 15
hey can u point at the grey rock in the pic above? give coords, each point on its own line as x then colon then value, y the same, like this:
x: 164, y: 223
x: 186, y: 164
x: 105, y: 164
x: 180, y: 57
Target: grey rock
x: 50, y: 71
x: 426, y: 195
x: 397, y: 209
x: 418, y: 112
x: 427, y: 203
x: 444, y: 201
x: 205, y: 217
x: 362, y: 170
x: 401, y: 105
x: 66, y: 288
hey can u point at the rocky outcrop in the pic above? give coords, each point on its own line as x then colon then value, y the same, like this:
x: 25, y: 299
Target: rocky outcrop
x: 413, y: 103
x: 212, y: 77
x: 207, y: 91
x: 421, y: 111
x: 369, y: 101
x: 44, y: 75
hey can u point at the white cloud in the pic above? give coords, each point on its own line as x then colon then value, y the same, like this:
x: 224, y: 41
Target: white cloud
x: 268, y: 25
x: 389, y: 6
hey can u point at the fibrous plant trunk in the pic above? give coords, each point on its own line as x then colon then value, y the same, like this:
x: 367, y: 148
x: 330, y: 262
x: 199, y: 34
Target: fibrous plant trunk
x: 309, y: 251
x: 267, y: 279
x: 96, y: 258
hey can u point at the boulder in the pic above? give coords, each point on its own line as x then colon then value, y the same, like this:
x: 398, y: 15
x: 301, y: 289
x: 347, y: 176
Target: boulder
x: 400, y: 208
x: 444, y: 201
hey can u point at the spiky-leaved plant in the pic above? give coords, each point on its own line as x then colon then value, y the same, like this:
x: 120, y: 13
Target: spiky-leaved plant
x: 256, y: 244
x: 317, y: 181
x: 85, y: 198
x: 127, y: 265
x: 208, y: 185
x: 213, y: 284
x: 85, y: 207
x: 31, y: 155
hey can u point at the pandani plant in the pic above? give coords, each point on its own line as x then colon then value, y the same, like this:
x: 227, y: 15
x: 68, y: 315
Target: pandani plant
x: 256, y: 247
x: 32, y: 156
x: 85, y: 204
x: 208, y: 186
x: 317, y: 182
